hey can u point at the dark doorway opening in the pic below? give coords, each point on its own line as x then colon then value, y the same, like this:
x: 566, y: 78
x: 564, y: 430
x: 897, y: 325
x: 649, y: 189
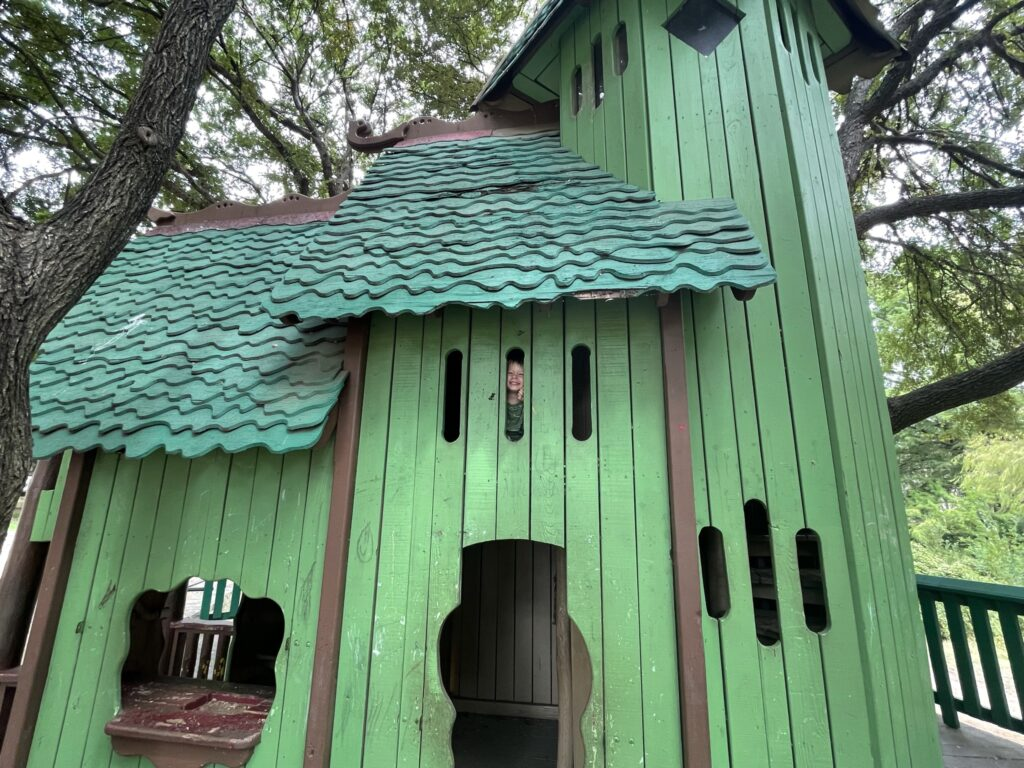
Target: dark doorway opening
x: 513, y: 664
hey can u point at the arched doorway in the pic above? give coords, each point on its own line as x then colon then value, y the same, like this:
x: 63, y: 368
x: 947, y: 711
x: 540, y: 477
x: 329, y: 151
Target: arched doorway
x: 513, y: 663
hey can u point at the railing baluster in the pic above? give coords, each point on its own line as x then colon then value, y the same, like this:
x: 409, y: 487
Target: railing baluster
x: 1014, y: 647
x: 989, y: 662
x: 981, y: 600
x: 962, y: 653
x: 943, y: 692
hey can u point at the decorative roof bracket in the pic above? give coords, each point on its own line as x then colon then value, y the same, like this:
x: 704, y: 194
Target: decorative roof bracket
x: 482, y: 123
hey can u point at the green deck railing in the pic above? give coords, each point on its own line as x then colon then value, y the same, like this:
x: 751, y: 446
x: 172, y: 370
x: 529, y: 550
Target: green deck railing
x: 983, y: 603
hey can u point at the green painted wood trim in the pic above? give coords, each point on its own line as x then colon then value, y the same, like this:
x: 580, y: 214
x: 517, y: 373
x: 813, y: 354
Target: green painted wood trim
x: 49, y: 503
x: 982, y: 601
x: 999, y: 593
x: 129, y: 542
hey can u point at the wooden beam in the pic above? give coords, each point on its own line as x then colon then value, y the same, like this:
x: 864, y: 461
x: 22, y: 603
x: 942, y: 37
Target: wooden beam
x: 563, y: 663
x: 320, y: 721
x: 49, y: 602
x: 20, y: 578
x: 693, y: 689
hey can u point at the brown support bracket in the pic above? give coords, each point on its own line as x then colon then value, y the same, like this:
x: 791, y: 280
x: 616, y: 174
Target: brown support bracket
x: 693, y: 690
x: 322, y: 694
x: 49, y: 602
x: 742, y: 294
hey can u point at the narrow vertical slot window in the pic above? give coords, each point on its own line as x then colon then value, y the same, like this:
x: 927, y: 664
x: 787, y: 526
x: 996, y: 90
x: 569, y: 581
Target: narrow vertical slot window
x: 762, y: 572
x: 621, y: 49
x: 515, y: 394
x: 582, y: 422
x: 712, y: 568
x: 598, y: 61
x: 780, y: 5
x: 812, y: 55
x: 452, y: 410
x: 812, y: 580
x: 577, y: 90
x: 802, y: 55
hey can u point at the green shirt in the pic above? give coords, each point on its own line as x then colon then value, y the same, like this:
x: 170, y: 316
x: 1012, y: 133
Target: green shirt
x: 513, y: 420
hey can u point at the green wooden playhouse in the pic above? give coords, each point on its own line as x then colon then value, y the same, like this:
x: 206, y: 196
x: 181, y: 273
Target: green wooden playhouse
x: 678, y: 541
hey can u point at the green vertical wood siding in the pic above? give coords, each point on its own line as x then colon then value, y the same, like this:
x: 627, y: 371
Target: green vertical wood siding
x: 786, y: 397
x: 252, y: 517
x: 420, y: 499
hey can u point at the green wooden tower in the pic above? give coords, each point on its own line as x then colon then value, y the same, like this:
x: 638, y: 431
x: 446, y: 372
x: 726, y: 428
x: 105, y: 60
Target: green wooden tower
x: 559, y: 441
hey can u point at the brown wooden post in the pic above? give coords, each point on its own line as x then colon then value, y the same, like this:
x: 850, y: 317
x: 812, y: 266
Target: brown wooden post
x: 20, y: 578
x: 693, y: 689
x: 563, y: 663
x: 49, y: 601
x: 320, y: 720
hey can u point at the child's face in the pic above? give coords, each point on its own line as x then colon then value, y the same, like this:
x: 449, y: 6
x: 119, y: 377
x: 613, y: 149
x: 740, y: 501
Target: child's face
x: 514, y: 376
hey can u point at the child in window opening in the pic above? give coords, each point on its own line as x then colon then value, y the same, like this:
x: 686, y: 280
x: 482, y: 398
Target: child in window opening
x: 514, y: 393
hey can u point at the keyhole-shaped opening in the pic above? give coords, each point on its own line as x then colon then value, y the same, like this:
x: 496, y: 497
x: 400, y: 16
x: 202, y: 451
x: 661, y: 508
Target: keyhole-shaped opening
x: 513, y: 663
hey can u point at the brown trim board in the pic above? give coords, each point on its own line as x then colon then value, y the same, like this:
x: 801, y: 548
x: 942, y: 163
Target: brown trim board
x: 693, y: 691
x: 49, y: 602
x: 320, y: 721
x: 20, y: 577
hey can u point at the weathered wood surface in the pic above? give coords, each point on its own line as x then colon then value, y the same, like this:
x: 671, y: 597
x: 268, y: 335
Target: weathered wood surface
x: 420, y: 499
x: 784, y: 390
x: 257, y: 519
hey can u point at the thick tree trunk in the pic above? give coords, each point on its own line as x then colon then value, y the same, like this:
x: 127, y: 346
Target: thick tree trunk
x: 46, y: 268
x: 961, y: 388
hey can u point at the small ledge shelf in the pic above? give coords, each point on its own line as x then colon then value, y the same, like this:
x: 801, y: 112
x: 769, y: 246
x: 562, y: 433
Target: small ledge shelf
x: 177, y: 723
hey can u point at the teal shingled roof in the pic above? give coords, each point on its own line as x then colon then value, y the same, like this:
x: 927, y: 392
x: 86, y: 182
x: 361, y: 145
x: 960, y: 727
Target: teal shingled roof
x: 499, y: 221
x: 171, y: 348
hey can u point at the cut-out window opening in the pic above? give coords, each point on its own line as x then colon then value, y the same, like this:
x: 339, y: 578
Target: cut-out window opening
x: 811, y: 54
x: 582, y: 421
x: 802, y: 55
x: 515, y: 394
x: 577, y: 90
x: 451, y: 415
x: 762, y: 572
x: 712, y: 567
x: 621, y: 49
x: 598, y: 61
x: 780, y: 6
x: 812, y: 580
x: 203, y: 685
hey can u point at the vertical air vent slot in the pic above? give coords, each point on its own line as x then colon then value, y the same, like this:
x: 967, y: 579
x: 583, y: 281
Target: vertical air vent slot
x: 452, y: 414
x: 581, y: 414
x: 762, y: 572
x: 621, y: 49
x: 712, y: 567
x: 812, y: 580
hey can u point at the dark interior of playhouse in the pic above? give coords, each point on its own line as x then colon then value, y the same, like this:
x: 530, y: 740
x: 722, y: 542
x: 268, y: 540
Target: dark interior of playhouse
x: 512, y: 663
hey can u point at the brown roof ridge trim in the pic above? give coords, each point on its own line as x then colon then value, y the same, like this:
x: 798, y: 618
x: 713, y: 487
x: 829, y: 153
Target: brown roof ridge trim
x: 290, y: 209
x: 482, y: 123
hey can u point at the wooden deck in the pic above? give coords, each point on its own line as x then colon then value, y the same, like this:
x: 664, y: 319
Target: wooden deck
x: 977, y: 745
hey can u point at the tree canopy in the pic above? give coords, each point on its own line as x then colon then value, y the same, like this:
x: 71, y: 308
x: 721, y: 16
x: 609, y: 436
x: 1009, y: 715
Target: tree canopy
x: 283, y: 81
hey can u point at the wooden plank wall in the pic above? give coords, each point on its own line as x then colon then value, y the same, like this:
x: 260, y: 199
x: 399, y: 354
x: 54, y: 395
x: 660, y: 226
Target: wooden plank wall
x: 420, y: 499
x: 785, y: 392
x: 256, y: 518
x: 503, y: 632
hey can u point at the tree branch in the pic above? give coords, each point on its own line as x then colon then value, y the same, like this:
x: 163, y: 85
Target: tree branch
x: 918, y: 207
x: 66, y: 254
x: 959, y: 389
